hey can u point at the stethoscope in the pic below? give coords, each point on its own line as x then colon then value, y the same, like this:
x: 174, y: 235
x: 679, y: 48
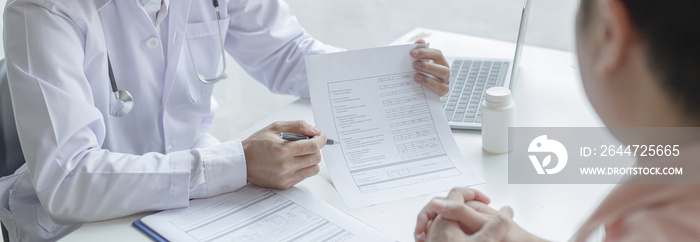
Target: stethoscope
x: 124, y: 101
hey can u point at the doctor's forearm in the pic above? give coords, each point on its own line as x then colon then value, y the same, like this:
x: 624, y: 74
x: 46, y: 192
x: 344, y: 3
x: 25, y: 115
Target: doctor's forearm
x: 89, y: 186
x: 217, y: 169
x: 105, y: 180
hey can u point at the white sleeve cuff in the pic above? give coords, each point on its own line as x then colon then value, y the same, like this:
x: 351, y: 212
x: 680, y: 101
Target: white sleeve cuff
x: 178, y: 181
x: 218, y: 169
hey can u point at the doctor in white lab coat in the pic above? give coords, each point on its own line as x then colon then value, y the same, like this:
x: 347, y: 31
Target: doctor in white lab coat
x: 83, y: 164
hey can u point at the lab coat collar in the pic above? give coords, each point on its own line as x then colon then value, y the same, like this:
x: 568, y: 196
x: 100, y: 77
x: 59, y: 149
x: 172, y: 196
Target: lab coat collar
x: 99, y: 4
x: 176, y: 29
x: 144, y: 2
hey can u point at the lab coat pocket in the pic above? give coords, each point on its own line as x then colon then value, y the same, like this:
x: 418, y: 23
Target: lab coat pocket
x: 6, y: 185
x: 204, y: 48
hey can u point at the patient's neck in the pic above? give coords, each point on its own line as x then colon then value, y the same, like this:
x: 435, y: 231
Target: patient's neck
x: 656, y: 106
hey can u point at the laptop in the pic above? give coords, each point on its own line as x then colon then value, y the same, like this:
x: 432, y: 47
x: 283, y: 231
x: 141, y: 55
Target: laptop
x: 469, y: 79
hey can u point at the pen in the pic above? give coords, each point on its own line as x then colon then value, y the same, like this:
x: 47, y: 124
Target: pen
x: 295, y: 137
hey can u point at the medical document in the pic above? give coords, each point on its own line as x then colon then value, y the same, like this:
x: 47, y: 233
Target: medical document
x: 258, y: 214
x: 395, y: 141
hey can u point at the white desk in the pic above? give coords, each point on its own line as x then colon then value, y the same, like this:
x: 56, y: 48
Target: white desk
x: 547, y: 93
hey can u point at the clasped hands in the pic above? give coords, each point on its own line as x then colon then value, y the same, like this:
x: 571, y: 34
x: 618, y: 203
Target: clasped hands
x: 464, y: 215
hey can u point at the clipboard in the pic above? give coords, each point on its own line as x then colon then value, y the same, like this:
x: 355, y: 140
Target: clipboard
x: 148, y: 231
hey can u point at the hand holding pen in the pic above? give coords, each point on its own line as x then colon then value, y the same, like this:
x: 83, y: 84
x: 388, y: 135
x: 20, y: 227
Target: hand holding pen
x: 295, y: 137
x: 272, y: 161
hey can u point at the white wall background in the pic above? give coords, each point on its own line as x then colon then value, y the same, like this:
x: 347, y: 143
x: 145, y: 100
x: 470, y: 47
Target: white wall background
x: 354, y: 24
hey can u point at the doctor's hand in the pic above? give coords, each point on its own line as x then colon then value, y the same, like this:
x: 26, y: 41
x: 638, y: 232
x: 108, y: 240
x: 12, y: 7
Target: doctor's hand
x: 277, y: 163
x: 435, y: 64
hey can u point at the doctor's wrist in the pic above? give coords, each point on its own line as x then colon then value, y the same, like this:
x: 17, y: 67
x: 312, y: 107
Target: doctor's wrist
x: 218, y: 169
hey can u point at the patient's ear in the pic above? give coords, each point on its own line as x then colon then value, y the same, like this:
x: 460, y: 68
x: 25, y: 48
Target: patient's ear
x: 614, y: 35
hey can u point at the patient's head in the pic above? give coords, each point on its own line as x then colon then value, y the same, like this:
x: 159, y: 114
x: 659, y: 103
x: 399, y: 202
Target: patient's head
x: 640, y: 60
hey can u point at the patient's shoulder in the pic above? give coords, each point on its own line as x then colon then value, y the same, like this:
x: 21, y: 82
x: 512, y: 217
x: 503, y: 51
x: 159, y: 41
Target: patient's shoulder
x: 674, y: 221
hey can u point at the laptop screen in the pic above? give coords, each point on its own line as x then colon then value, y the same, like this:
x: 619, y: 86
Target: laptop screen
x: 521, y: 39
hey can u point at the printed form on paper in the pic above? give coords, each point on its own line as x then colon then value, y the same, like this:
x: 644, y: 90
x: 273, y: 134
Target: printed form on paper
x: 395, y: 141
x: 258, y: 214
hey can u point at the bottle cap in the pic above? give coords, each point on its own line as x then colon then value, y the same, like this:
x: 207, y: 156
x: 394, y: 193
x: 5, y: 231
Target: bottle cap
x: 497, y: 95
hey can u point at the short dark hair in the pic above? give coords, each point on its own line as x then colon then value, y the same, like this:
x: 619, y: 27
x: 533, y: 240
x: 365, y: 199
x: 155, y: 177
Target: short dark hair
x: 671, y: 32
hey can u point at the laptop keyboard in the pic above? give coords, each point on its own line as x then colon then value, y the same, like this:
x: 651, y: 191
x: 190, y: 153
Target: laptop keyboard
x: 469, y: 79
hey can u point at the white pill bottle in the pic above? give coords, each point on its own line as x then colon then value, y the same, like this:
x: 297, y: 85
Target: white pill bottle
x: 497, y: 114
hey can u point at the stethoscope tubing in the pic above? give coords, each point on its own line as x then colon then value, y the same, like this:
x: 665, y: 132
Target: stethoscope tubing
x: 125, y: 98
x: 112, y: 80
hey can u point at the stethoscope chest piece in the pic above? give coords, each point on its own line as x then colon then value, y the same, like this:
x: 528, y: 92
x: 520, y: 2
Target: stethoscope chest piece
x: 122, y: 103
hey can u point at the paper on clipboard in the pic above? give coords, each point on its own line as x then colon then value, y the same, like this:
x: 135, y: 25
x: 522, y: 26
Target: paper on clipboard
x: 259, y: 214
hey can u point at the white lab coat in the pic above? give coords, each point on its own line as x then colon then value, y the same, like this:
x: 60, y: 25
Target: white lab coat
x: 83, y: 164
